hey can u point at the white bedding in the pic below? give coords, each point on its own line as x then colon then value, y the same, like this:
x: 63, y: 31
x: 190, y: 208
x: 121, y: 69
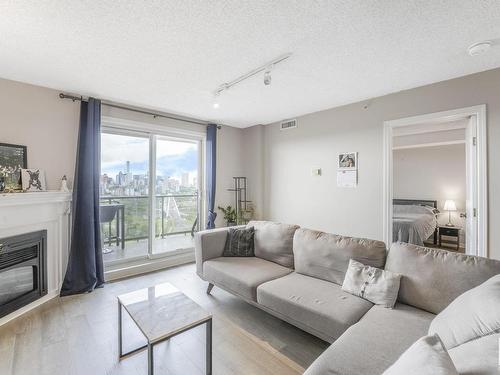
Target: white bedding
x: 412, y: 223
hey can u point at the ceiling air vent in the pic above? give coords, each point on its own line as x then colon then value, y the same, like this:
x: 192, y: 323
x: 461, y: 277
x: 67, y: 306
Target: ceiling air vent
x: 289, y: 124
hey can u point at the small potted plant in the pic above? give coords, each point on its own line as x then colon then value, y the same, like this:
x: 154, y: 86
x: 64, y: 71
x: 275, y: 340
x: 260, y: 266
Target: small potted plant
x: 229, y: 215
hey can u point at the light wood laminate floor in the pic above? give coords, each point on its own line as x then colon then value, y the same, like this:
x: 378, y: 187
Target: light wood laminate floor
x: 77, y: 335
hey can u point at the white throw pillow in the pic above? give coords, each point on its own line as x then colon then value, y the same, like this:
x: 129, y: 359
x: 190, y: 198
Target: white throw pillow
x: 471, y: 315
x: 373, y: 284
x: 427, y: 356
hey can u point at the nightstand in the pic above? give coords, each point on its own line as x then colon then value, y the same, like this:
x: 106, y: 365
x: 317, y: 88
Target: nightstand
x: 453, y: 234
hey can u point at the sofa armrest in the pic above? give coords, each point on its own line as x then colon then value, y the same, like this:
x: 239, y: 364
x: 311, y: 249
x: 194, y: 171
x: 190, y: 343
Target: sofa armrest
x: 209, y: 244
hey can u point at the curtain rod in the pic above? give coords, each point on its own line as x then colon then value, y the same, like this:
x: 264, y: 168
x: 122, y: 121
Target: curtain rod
x: 81, y: 99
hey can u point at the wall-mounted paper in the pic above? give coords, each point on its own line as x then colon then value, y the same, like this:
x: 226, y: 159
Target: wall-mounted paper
x: 347, y: 178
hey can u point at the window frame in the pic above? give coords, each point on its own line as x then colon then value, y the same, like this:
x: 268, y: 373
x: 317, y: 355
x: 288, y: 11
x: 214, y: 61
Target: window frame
x: 153, y: 132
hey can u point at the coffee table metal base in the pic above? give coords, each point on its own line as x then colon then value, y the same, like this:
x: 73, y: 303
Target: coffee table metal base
x: 150, y: 345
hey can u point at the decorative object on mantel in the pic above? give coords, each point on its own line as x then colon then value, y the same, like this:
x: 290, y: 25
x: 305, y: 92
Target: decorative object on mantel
x: 33, y: 179
x: 2, y: 183
x: 244, y: 209
x: 12, y: 159
x: 64, y: 184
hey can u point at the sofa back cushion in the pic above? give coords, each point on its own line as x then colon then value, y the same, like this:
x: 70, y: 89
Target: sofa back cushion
x: 472, y: 315
x: 326, y: 256
x: 273, y: 241
x: 433, y: 278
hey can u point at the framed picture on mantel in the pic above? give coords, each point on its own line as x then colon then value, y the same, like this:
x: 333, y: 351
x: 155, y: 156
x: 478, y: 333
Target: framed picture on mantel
x: 13, y: 158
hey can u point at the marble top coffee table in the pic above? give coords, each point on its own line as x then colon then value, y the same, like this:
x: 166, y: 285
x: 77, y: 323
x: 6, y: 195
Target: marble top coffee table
x: 161, y: 312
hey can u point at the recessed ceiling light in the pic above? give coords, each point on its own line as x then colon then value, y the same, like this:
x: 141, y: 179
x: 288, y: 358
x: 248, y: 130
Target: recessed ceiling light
x: 479, y: 48
x: 216, y: 105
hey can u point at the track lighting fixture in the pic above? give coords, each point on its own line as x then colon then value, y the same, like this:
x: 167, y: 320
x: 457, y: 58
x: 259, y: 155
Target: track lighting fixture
x: 264, y: 68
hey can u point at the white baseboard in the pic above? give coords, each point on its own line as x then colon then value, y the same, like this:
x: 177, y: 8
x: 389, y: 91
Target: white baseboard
x: 144, y: 266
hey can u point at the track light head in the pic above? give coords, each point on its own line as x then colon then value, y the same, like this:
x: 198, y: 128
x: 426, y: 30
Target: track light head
x: 267, y: 77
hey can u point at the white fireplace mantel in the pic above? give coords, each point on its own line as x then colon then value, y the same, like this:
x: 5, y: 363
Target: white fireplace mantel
x: 29, y: 212
x: 28, y: 198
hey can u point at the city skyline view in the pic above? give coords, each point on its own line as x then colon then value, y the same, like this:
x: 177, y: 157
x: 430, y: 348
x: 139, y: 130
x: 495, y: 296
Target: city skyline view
x: 125, y: 165
x: 125, y: 181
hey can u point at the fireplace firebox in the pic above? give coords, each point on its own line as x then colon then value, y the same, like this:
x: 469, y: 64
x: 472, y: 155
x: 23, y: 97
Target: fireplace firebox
x: 23, y: 270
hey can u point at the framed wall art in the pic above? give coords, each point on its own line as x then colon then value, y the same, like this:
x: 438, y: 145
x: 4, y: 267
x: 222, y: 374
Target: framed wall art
x: 33, y: 179
x: 348, y: 160
x: 13, y: 158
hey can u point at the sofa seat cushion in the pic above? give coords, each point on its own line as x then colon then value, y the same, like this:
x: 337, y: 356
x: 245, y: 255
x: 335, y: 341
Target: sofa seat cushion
x: 319, y: 306
x: 242, y: 276
x: 373, y: 344
x: 477, y: 357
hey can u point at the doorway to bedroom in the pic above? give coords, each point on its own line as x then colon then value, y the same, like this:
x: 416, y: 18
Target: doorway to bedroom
x: 435, y: 192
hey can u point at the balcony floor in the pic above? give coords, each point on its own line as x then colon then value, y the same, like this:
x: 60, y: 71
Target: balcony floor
x: 137, y: 248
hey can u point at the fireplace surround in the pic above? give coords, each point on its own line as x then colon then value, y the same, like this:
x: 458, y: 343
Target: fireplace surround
x: 23, y: 270
x: 25, y: 213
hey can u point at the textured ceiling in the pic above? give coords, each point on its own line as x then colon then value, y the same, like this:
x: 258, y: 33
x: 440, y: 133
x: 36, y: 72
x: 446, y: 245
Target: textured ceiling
x: 171, y: 55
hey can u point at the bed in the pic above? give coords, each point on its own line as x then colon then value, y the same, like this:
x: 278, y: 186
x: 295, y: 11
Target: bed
x: 414, y: 221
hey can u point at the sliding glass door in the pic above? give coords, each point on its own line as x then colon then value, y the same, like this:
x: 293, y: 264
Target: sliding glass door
x: 149, y: 193
x: 176, y: 194
x: 124, y: 189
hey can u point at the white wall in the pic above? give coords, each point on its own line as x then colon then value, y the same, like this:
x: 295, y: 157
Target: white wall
x: 253, y: 160
x: 292, y: 194
x: 229, y: 165
x: 434, y: 173
x: 35, y: 116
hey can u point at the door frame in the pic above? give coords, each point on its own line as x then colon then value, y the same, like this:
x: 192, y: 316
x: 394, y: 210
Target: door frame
x: 481, y: 185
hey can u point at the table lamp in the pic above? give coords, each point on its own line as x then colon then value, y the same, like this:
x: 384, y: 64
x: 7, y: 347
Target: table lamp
x: 449, y: 205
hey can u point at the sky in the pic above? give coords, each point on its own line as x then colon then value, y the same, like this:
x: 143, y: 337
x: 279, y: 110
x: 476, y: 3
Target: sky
x: 173, y: 157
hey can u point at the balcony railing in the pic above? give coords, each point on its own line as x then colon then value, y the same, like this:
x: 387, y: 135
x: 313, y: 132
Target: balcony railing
x: 175, y: 214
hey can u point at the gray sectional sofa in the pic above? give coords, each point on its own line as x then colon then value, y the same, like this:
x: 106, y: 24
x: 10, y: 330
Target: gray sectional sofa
x: 297, y: 273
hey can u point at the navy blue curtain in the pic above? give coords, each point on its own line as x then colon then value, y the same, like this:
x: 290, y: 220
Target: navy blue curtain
x: 85, y: 267
x: 211, y: 160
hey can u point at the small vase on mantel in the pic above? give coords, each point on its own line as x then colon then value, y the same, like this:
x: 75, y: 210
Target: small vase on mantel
x: 64, y: 184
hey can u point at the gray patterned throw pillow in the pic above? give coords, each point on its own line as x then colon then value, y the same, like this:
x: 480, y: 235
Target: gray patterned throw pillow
x: 239, y: 243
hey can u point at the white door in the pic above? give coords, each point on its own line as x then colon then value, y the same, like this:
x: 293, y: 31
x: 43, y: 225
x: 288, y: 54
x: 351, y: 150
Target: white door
x: 472, y: 178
